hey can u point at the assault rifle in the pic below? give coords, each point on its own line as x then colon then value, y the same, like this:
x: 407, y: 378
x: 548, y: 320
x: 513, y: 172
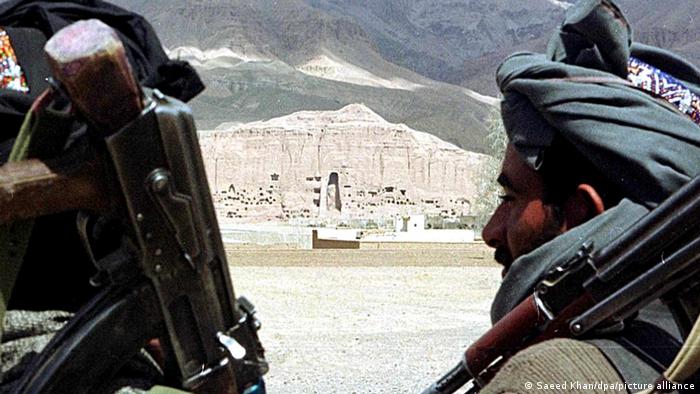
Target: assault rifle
x: 657, y: 257
x: 138, y: 164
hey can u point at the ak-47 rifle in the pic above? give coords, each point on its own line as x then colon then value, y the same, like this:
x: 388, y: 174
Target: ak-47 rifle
x: 139, y: 164
x: 657, y: 257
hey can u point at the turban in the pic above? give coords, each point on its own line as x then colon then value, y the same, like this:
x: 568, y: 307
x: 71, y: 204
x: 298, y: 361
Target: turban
x: 627, y: 108
x: 581, y: 90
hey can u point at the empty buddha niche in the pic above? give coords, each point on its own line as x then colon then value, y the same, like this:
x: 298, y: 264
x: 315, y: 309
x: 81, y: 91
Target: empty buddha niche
x: 333, y: 193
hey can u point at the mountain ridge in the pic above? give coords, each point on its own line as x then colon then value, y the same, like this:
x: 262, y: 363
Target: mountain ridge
x: 323, y: 54
x: 266, y: 72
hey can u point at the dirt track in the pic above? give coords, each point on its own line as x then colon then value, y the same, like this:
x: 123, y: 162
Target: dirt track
x: 380, y: 255
x: 353, y: 327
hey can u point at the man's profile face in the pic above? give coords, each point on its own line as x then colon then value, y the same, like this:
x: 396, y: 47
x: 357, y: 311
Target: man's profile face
x: 522, y: 222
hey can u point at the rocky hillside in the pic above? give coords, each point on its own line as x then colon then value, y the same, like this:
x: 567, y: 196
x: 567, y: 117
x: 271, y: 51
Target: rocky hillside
x: 670, y: 25
x: 451, y: 41
x: 446, y: 40
x: 345, y: 165
x: 462, y: 42
x: 254, y: 90
x: 287, y: 30
x: 267, y: 59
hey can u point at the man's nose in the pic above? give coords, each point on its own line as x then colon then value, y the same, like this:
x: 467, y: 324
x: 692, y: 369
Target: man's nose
x: 494, y: 231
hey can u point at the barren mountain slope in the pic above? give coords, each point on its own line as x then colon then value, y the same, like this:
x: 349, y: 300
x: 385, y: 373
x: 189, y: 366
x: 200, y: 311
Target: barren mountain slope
x: 446, y: 39
x: 270, y: 58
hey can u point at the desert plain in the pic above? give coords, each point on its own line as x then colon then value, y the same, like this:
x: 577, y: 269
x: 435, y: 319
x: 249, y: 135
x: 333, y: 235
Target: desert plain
x: 365, y: 321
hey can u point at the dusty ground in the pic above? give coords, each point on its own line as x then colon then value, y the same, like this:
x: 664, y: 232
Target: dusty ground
x: 348, y: 326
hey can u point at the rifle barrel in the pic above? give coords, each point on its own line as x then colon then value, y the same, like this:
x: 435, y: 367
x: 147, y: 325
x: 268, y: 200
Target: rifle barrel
x: 646, y: 283
x: 451, y: 381
x: 662, y: 226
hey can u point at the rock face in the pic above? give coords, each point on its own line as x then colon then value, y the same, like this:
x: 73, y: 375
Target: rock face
x: 459, y: 42
x: 265, y: 59
x: 445, y: 39
x: 340, y: 165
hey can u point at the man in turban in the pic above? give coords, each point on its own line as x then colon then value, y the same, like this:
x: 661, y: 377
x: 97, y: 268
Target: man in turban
x: 601, y: 130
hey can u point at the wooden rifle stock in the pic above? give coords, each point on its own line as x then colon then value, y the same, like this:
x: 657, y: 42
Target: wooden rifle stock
x: 508, y: 333
x: 89, y: 61
x: 483, y: 358
x: 164, y: 202
x: 33, y: 188
x: 520, y: 328
x: 525, y: 325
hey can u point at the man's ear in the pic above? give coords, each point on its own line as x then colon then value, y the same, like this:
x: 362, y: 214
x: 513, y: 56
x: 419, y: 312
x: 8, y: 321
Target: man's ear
x: 584, y: 204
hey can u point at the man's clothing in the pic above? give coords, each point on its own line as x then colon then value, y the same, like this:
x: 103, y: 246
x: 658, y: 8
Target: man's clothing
x: 589, y: 89
x: 29, y: 23
x: 557, y: 366
x: 55, y: 271
x: 28, y: 332
x: 577, y: 91
x: 580, y: 91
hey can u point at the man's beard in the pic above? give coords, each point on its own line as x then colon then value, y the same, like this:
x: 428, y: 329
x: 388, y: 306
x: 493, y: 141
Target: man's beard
x: 502, y: 256
x: 551, y: 230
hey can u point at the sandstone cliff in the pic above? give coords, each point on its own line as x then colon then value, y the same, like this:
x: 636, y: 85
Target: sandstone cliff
x: 342, y: 165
